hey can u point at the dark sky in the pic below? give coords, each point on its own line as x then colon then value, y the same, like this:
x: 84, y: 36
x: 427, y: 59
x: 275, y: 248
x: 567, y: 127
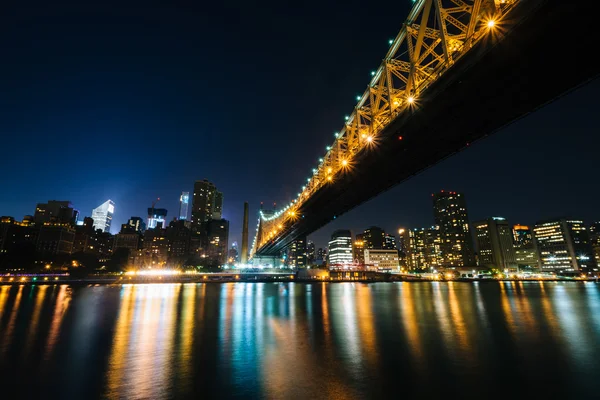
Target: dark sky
x: 133, y: 101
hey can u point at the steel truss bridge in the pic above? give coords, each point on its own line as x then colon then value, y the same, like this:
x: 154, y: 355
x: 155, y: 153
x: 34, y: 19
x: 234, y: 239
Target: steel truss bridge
x: 457, y: 71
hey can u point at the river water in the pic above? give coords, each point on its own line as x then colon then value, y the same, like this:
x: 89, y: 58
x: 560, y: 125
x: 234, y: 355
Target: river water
x: 296, y: 341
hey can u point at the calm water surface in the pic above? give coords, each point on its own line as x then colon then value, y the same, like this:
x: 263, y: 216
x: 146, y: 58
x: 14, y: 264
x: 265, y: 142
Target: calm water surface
x: 290, y: 340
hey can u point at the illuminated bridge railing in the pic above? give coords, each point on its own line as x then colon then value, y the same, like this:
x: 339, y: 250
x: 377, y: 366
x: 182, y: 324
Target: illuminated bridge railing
x: 435, y: 35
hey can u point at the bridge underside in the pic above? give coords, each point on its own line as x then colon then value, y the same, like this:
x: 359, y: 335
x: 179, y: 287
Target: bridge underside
x: 543, y: 55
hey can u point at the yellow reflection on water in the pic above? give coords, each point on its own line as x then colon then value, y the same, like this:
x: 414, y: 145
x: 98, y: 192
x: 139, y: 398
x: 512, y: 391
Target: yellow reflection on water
x: 364, y: 311
x: 63, y: 300
x: 187, y: 324
x: 410, y: 322
x: 4, y: 292
x: 35, y: 318
x: 506, y: 307
x: 10, y: 327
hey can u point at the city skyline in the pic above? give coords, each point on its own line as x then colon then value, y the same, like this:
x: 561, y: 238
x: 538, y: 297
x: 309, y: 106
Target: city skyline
x: 519, y: 150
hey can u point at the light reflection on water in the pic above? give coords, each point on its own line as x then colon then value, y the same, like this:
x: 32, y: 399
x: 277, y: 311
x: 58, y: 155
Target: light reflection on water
x: 290, y: 340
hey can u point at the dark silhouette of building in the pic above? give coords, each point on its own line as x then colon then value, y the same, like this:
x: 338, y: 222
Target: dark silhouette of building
x: 374, y: 238
x: 218, y: 236
x: 55, y: 211
x: 244, y: 255
x: 55, y: 238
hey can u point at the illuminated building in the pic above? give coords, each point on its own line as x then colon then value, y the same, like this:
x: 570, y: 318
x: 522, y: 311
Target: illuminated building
x: 218, y: 237
x: 156, y: 249
x: 526, y: 252
x: 359, y: 248
x: 157, y: 218
x: 383, y: 260
x: 310, y: 252
x: 184, y: 201
x: 389, y: 241
x: 495, y: 243
x: 522, y: 235
x: 102, y: 215
x: 297, y: 253
x: 374, y: 238
x: 595, y: 240
x: 340, y: 247
x: 233, y: 254
x: 564, y: 246
x: 450, y: 214
x: 137, y: 224
x: 55, y: 211
x: 178, y: 238
x: 423, y: 248
x: 204, y: 204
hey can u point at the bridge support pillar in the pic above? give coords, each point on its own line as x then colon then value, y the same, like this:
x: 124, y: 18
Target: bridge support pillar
x: 266, y: 261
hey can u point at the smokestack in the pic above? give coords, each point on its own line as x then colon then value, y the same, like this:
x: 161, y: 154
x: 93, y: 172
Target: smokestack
x: 244, y: 257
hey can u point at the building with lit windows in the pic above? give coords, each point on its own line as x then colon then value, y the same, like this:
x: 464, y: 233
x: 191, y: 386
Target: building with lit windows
x: 202, y: 203
x: 382, y: 260
x: 594, y: 231
x: 450, y: 214
x: 217, y: 231
x: 55, y: 211
x: 359, y: 248
x: 340, y: 248
x: 184, y: 202
x: 564, y: 247
x: 423, y: 248
x: 137, y: 224
x: 102, y: 215
x: 374, y: 238
x: 526, y: 252
x: 297, y: 253
x: 495, y: 243
x: 389, y: 241
x: 311, y: 255
x: 157, y: 218
x: 217, y: 212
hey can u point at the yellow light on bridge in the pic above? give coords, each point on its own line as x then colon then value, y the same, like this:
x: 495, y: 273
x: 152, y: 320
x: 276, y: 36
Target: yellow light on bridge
x: 344, y: 162
x: 329, y: 178
x: 329, y: 170
x: 491, y: 23
x: 292, y: 213
x: 411, y: 99
x: 370, y: 139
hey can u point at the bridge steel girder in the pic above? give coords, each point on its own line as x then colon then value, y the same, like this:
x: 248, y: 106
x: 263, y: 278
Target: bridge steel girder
x: 494, y: 75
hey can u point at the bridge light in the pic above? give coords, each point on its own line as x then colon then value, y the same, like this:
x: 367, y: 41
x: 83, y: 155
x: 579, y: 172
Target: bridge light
x: 372, y: 73
x: 329, y: 170
x: 358, y: 98
x: 364, y: 135
x: 491, y: 23
x: 370, y: 139
x: 346, y: 118
x: 411, y: 99
x: 328, y: 148
x: 320, y: 160
x: 329, y: 178
x: 344, y: 162
x: 391, y: 41
x: 307, y: 179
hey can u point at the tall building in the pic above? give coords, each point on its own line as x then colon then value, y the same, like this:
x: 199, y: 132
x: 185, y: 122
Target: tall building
x: 374, y: 238
x: 423, y: 248
x: 178, y: 238
x: 157, y: 218
x: 564, y: 246
x: 526, y: 252
x: 55, y: 211
x: 55, y: 238
x: 359, y: 248
x: 340, y: 247
x: 218, y: 237
x: 595, y: 240
x: 217, y: 212
x: 311, y: 255
x: 137, y: 224
x: 297, y: 253
x: 184, y: 201
x: 495, y: 242
x: 156, y: 248
x: 203, y: 203
x: 102, y: 215
x: 450, y: 214
x: 389, y: 241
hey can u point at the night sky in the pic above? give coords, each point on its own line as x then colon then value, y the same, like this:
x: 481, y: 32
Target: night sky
x: 134, y: 102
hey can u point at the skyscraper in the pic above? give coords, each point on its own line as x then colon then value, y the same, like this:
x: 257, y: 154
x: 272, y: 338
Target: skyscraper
x: 374, y: 238
x: 525, y: 248
x: 297, y: 253
x: 157, y: 218
x: 102, y: 215
x: 522, y: 235
x: 310, y: 252
x: 184, y: 201
x: 340, y: 247
x: 450, y: 214
x: 564, y: 246
x: 423, y: 248
x: 217, y: 211
x: 359, y: 248
x: 203, y: 204
x: 218, y: 237
x: 495, y: 243
x: 595, y: 240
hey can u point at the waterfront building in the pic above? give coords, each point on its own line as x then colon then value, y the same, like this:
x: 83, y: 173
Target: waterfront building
x: 495, y: 243
x: 17, y: 237
x: 217, y: 241
x: 374, y: 238
x: 310, y: 252
x: 450, y: 214
x: 423, y: 248
x: 522, y: 235
x: 184, y: 201
x: 382, y: 260
x: 297, y: 254
x: 359, y: 248
x: 389, y: 241
x: 564, y: 246
x: 155, y: 249
x: 526, y: 251
x: 102, y: 215
x: 157, y: 218
x: 178, y: 238
x: 340, y: 247
x: 594, y: 231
